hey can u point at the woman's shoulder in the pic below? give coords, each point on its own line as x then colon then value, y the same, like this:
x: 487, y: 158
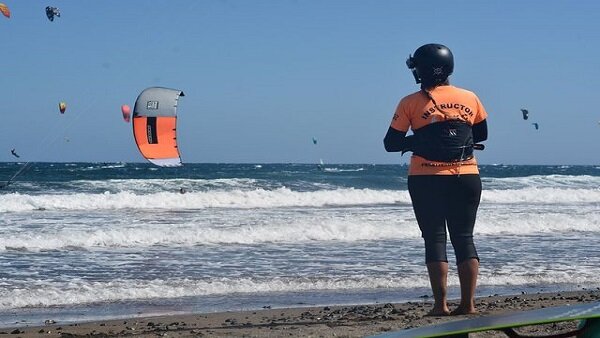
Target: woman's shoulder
x: 416, y: 96
x: 463, y: 91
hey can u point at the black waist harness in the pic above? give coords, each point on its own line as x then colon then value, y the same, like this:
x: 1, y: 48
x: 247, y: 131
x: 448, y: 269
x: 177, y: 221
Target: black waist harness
x: 447, y: 141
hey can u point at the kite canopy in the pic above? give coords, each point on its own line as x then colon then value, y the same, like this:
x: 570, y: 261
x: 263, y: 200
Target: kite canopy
x: 51, y: 12
x: 62, y: 107
x: 154, y: 125
x: 525, y: 114
x: 4, y: 9
x: 126, y: 112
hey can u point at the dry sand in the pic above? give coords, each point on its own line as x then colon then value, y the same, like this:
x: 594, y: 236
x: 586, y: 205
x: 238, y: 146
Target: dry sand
x: 322, y: 321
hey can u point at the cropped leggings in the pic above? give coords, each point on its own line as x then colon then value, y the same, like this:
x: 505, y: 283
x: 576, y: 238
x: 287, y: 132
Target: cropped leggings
x: 446, y: 200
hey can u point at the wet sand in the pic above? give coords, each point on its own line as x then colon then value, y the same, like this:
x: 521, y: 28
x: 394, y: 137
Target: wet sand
x: 322, y: 321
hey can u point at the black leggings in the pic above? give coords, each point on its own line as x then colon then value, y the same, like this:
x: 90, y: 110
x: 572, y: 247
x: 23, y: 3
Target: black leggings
x: 446, y: 199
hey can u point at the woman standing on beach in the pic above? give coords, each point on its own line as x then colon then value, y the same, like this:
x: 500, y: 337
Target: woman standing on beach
x: 443, y: 177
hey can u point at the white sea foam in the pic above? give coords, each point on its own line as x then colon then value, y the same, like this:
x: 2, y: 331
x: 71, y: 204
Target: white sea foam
x: 236, y: 198
x: 542, y: 195
x: 338, y: 170
x: 149, y: 186
x: 100, y: 167
x: 39, y: 294
x: 542, y: 181
x: 549, y: 278
x: 523, y: 221
x: 79, y: 291
x: 268, y: 226
x: 268, y: 230
x: 275, y: 198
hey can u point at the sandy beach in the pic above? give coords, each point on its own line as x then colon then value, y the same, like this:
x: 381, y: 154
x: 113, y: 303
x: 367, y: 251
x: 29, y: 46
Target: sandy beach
x: 323, y: 321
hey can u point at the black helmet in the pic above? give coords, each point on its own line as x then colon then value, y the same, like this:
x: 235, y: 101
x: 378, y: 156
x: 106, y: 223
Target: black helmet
x: 431, y: 64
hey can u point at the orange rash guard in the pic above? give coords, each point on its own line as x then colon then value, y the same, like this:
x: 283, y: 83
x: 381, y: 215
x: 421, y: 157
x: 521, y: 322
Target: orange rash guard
x: 417, y: 110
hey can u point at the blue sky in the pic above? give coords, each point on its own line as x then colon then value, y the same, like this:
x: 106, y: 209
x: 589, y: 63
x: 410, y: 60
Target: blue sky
x: 262, y: 78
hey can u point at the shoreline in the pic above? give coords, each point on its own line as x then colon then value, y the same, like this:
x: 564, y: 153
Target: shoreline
x: 313, y: 321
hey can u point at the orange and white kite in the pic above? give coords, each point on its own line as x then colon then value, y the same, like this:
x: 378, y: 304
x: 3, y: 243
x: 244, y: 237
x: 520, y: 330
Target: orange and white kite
x: 154, y: 125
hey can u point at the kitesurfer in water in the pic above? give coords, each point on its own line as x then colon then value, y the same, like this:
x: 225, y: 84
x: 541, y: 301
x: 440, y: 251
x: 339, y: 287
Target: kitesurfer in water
x: 443, y: 177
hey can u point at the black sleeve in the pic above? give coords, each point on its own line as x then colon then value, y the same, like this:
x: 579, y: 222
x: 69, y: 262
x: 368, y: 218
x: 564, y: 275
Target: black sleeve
x: 480, y: 131
x: 396, y: 140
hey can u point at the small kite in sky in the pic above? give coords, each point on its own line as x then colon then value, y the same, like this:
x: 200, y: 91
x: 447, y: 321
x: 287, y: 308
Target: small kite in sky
x: 14, y: 153
x: 537, y: 126
x: 4, y: 9
x: 62, y: 107
x: 525, y: 114
x: 51, y: 12
x: 126, y: 112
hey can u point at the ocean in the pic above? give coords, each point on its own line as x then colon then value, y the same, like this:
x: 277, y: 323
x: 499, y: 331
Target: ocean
x: 91, y: 241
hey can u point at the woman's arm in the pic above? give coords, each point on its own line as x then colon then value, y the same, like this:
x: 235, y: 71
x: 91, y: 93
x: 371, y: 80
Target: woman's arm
x: 396, y: 140
x: 480, y: 131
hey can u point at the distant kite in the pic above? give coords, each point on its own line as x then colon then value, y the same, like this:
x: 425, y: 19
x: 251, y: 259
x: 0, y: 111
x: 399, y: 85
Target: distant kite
x: 4, y: 9
x: 51, y: 12
x: 525, y: 114
x: 537, y: 126
x: 314, y: 140
x: 126, y: 112
x: 14, y: 153
x: 62, y: 107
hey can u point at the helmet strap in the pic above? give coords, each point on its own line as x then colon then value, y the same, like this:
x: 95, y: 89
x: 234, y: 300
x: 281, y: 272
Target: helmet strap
x: 416, y: 75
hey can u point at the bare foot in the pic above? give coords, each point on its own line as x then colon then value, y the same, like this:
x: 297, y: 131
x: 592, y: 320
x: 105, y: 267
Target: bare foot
x: 463, y: 311
x: 438, y: 312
